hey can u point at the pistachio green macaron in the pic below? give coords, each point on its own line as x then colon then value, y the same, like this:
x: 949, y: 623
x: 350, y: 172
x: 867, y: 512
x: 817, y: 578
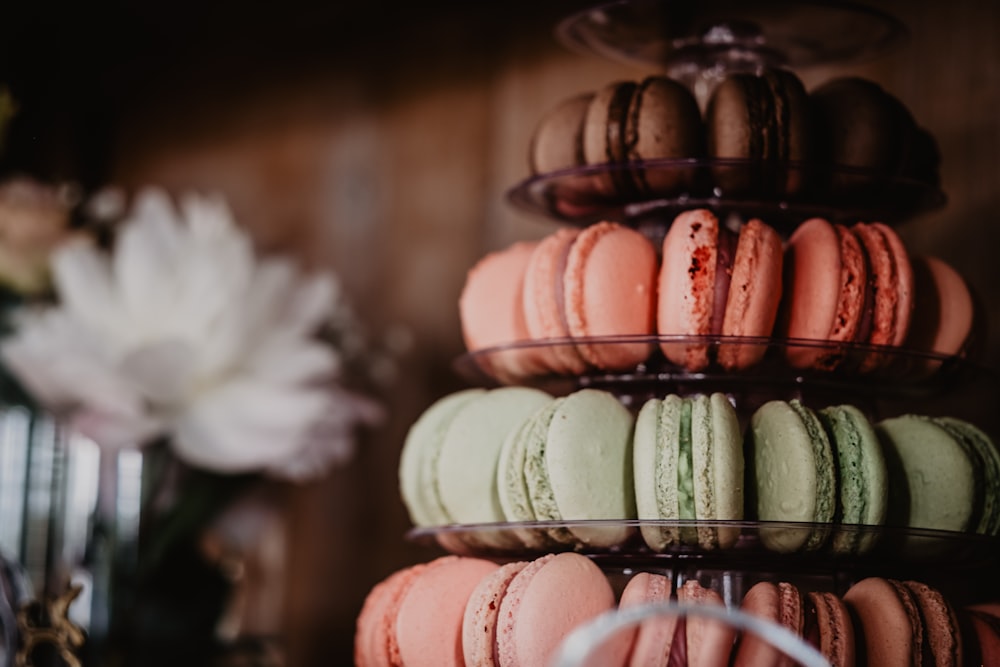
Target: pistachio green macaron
x: 688, y: 465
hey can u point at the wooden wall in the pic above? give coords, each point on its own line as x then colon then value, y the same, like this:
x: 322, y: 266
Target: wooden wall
x: 392, y: 169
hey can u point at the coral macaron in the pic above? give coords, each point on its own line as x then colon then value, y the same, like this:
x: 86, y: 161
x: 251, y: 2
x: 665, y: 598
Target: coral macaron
x: 414, y: 617
x: 598, y: 282
x: 716, y: 282
x: 845, y: 285
x: 544, y: 602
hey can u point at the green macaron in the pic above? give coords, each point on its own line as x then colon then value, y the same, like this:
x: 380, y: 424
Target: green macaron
x: 862, y: 484
x: 571, y: 462
x: 687, y: 460
x: 943, y: 474
x: 418, y: 458
x: 792, y: 474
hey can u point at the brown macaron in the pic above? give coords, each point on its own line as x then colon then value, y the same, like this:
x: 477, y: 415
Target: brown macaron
x: 654, y: 119
x: 763, y: 119
x: 557, y: 142
x: 819, y: 618
x: 904, y: 623
x: 860, y: 126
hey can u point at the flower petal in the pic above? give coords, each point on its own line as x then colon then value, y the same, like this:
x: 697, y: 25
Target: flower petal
x: 246, y: 426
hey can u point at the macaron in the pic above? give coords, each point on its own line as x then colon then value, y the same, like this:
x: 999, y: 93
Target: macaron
x: 544, y: 602
x: 904, y: 623
x: 465, y: 471
x: 944, y: 474
x: 892, y: 286
x: 819, y: 618
x: 862, y: 477
x: 572, y: 461
x: 629, y: 122
x: 417, y: 461
x: 981, y: 633
x: 375, y: 621
x: 482, y: 615
x: 705, y: 642
x: 414, y: 617
x: 557, y: 142
x: 844, y: 285
x: 688, y: 465
x: 860, y: 126
x: 717, y: 282
x: 763, y: 118
x: 598, y: 282
x: 652, y: 639
x: 944, y: 311
x: 491, y: 312
x: 792, y: 474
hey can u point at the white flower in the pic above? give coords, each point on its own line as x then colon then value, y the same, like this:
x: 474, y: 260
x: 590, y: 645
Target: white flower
x: 182, y: 332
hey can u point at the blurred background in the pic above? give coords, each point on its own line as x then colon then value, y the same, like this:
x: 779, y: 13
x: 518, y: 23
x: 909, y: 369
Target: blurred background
x: 380, y: 141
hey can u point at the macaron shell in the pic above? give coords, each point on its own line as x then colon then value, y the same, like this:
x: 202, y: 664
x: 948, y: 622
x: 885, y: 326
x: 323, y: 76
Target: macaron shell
x: 792, y: 472
x: 609, y: 290
x: 988, y: 457
x: 982, y: 623
x: 941, y: 629
x: 754, y: 293
x: 663, y: 122
x: 835, y: 629
x: 718, y: 467
x: 824, y: 290
x: 428, y: 624
x: 653, y: 637
x: 604, y: 135
x: 709, y: 642
x: 862, y: 478
x: 419, y: 454
x: 686, y: 285
x: 933, y: 482
x: 371, y: 639
x: 889, y: 622
x: 512, y: 489
x: 583, y: 470
x: 466, y: 472
x: 491, y: 311
x: 482, y: 613
x: 893, y: 288
x: 655, y: 468
x: 557, y: 142
x: 944, y: 310
x: 545, y: 602
x: 544, y: 311
x: 779, y: 603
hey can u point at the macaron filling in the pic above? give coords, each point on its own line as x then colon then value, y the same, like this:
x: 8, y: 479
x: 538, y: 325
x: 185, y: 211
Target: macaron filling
x: 725, y: 255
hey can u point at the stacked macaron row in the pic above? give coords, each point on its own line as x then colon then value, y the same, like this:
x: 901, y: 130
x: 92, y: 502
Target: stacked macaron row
x: 833, y: 139
x: 457, y: 612
x: 518, y: 455
x: 606, y: 297
x: 464, y: 612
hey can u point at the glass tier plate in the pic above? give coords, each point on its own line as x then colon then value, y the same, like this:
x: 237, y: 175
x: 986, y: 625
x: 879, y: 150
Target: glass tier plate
x: 750, y: 545
x: 862, y: 370
x: 588, y: 194
x: 672, y: 34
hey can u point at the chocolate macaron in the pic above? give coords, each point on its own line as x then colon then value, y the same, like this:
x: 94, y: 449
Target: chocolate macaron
x: 628, y: 123
x: 763, y: 119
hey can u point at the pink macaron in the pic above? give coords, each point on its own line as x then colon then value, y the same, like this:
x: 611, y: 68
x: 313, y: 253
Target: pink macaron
x: 845, y: 285
x: 718, y: 282
x: 652, y: 639
x: 414, y: 617
x: 544, y: 602
x: 491, y: 313
x: 595, y: 283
